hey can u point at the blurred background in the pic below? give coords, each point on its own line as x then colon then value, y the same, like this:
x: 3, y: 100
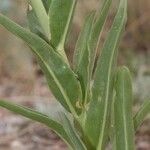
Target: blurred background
x: 22, y: 81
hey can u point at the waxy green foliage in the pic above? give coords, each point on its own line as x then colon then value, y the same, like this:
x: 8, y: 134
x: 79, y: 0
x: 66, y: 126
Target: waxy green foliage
x: 123, y: 120
x: 97, y: 102
x: 82, y: 55
x: 60, y: 17
x: 41, y: 14
x: 102, y: 90
x: 49, y: 61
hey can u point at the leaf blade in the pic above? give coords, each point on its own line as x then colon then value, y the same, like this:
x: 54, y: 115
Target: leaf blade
x: 34, y: 25
x: 50, y: 60
x: 102, y: 89
x: 123, y: 121
x: 97, y: 29
x: 60, y: 17
x: 39, y: 117
x: 82, y: 55
x: 41, y: 15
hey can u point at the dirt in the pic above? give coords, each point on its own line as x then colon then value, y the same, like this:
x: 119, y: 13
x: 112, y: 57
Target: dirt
x: 19, y: 133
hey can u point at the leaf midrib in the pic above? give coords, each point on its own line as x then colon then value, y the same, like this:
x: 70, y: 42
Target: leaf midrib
x: 107, y: 91
x: 63, y: 38
x: 59, y: 85
x: 124, y: 116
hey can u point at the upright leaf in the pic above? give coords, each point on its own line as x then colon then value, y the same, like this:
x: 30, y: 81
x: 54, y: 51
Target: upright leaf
x: 82, y: 55
x: 97, y: 29
x: 42, y: 16
x: 36, y: 116
x: 102, y: 90
x: 141, y: 114
x: 108, y: 55
x: 62, y: 81
x: 60, y: 17
x: 123, y: 122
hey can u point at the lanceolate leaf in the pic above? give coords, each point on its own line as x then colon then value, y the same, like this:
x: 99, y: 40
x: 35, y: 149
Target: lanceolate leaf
x: 123, y: 122
x: 102, y: 90
x: 72, y: 134
x: 34, y: 115
x: 60, y: 17
x: 141, y: 114
x: 83, y: 40
x: 97, y: 29
x: 82, y: 54
x: 56, y: 70
x: 42, y: 16
x: 108, y: 55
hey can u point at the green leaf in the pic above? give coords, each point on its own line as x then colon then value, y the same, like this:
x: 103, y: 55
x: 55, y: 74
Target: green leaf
x: 34, y: 25
x: 41, y: 15
x: 123, y: 121
x: 141, y: 114
x: 72, y: 134
x: 97, y: 30
x: 47, y: 4
x: 102, y: 89
x: 62, y: 81
x: 60, y: 18
x: 82, y: 55
x: 39, y: 117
